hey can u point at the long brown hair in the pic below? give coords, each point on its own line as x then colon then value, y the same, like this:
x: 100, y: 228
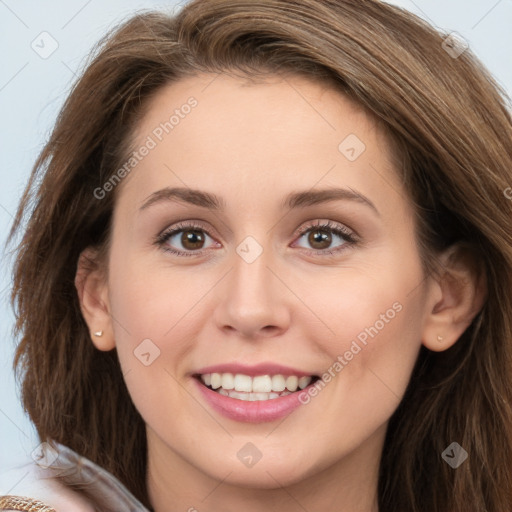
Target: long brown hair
x: 449, y: 120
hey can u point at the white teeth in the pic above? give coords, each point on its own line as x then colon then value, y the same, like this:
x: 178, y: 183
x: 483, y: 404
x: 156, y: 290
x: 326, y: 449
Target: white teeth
x: 304, y: 381
x: 261, y: 387
x: 259, y: 396
x: 216, y: 380
x: 278, y: 383
x: 240, y: 396
x: 228, y: 382
x: 243, y: 383
x: 292, y: 383
x: 251, y: 397
x: 262, y: 384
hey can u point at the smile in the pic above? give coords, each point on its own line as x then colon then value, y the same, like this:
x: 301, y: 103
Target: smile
x: 255, y: 388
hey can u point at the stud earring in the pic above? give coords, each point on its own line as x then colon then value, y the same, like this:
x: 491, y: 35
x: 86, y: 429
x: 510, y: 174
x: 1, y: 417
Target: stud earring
x: 98, y: 334
x: 439, y: 338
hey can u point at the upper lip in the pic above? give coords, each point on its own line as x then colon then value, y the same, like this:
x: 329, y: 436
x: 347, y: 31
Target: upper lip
x: 253, y: 370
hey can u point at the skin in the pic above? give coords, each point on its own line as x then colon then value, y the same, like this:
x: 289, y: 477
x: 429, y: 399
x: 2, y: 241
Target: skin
x: 252, y: 145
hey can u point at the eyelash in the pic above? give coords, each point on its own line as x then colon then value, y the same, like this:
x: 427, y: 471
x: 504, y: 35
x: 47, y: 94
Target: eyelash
x: 343, y: 232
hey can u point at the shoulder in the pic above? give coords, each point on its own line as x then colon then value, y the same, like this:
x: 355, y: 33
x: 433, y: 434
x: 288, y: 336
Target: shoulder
x: 29, y: 482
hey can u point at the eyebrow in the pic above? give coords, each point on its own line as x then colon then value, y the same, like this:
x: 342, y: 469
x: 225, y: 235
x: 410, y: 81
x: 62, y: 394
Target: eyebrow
x: 292, y: 201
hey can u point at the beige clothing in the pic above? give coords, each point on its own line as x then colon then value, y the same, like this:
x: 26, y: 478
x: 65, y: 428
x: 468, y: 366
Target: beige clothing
x: 43, y: 482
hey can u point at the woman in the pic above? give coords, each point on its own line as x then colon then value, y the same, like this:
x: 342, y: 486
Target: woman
x: 269, y: 264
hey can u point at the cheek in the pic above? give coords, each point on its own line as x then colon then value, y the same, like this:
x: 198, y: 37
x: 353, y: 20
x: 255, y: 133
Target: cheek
x: 379, y: 336
x: 153, y: 303
x: 375, y: 322
x: 152, y: 332
x: 371, y: 364
x: 155, y: 320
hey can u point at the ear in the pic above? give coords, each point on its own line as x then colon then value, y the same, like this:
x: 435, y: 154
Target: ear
x: 92, y: 288
x: 454, y: 299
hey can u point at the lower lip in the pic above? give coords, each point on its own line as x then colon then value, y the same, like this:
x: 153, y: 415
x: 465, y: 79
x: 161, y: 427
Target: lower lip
x: 259, y: 411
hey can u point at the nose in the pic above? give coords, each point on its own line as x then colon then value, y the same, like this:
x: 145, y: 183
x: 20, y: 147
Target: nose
x: 253, y: 300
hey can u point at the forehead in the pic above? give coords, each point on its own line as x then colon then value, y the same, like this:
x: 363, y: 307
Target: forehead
x: 209, y: 130
x: 318, y: 103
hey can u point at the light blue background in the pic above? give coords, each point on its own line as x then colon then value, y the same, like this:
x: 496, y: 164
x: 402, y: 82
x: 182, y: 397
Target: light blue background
x: 32, y: 89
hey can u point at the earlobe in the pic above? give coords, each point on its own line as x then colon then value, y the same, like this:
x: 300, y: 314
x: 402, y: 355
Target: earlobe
x: 456, y: 297
x: 92, y: 289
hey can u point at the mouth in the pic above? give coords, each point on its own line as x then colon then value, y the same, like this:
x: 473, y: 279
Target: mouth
x: 255, y: 388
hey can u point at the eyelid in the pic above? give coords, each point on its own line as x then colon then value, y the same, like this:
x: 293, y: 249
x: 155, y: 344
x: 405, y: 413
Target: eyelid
x: 327, y: 224
x: 186, y: 224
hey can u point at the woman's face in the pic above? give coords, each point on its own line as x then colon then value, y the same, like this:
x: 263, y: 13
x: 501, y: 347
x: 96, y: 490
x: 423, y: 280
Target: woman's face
x: 257, y: 295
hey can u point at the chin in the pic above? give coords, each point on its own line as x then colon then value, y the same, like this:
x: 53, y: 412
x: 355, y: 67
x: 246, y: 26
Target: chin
x: 264, y: 474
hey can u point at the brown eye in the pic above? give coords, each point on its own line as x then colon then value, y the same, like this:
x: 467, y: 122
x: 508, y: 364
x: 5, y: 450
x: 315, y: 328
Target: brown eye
x: 192, y: 239
x: 184, y: 240
x: 320, y: 237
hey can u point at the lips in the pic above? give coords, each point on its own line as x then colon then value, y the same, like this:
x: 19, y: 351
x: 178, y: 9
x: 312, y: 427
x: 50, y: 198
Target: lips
x: 253, y: 370
x: 253, y: 394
